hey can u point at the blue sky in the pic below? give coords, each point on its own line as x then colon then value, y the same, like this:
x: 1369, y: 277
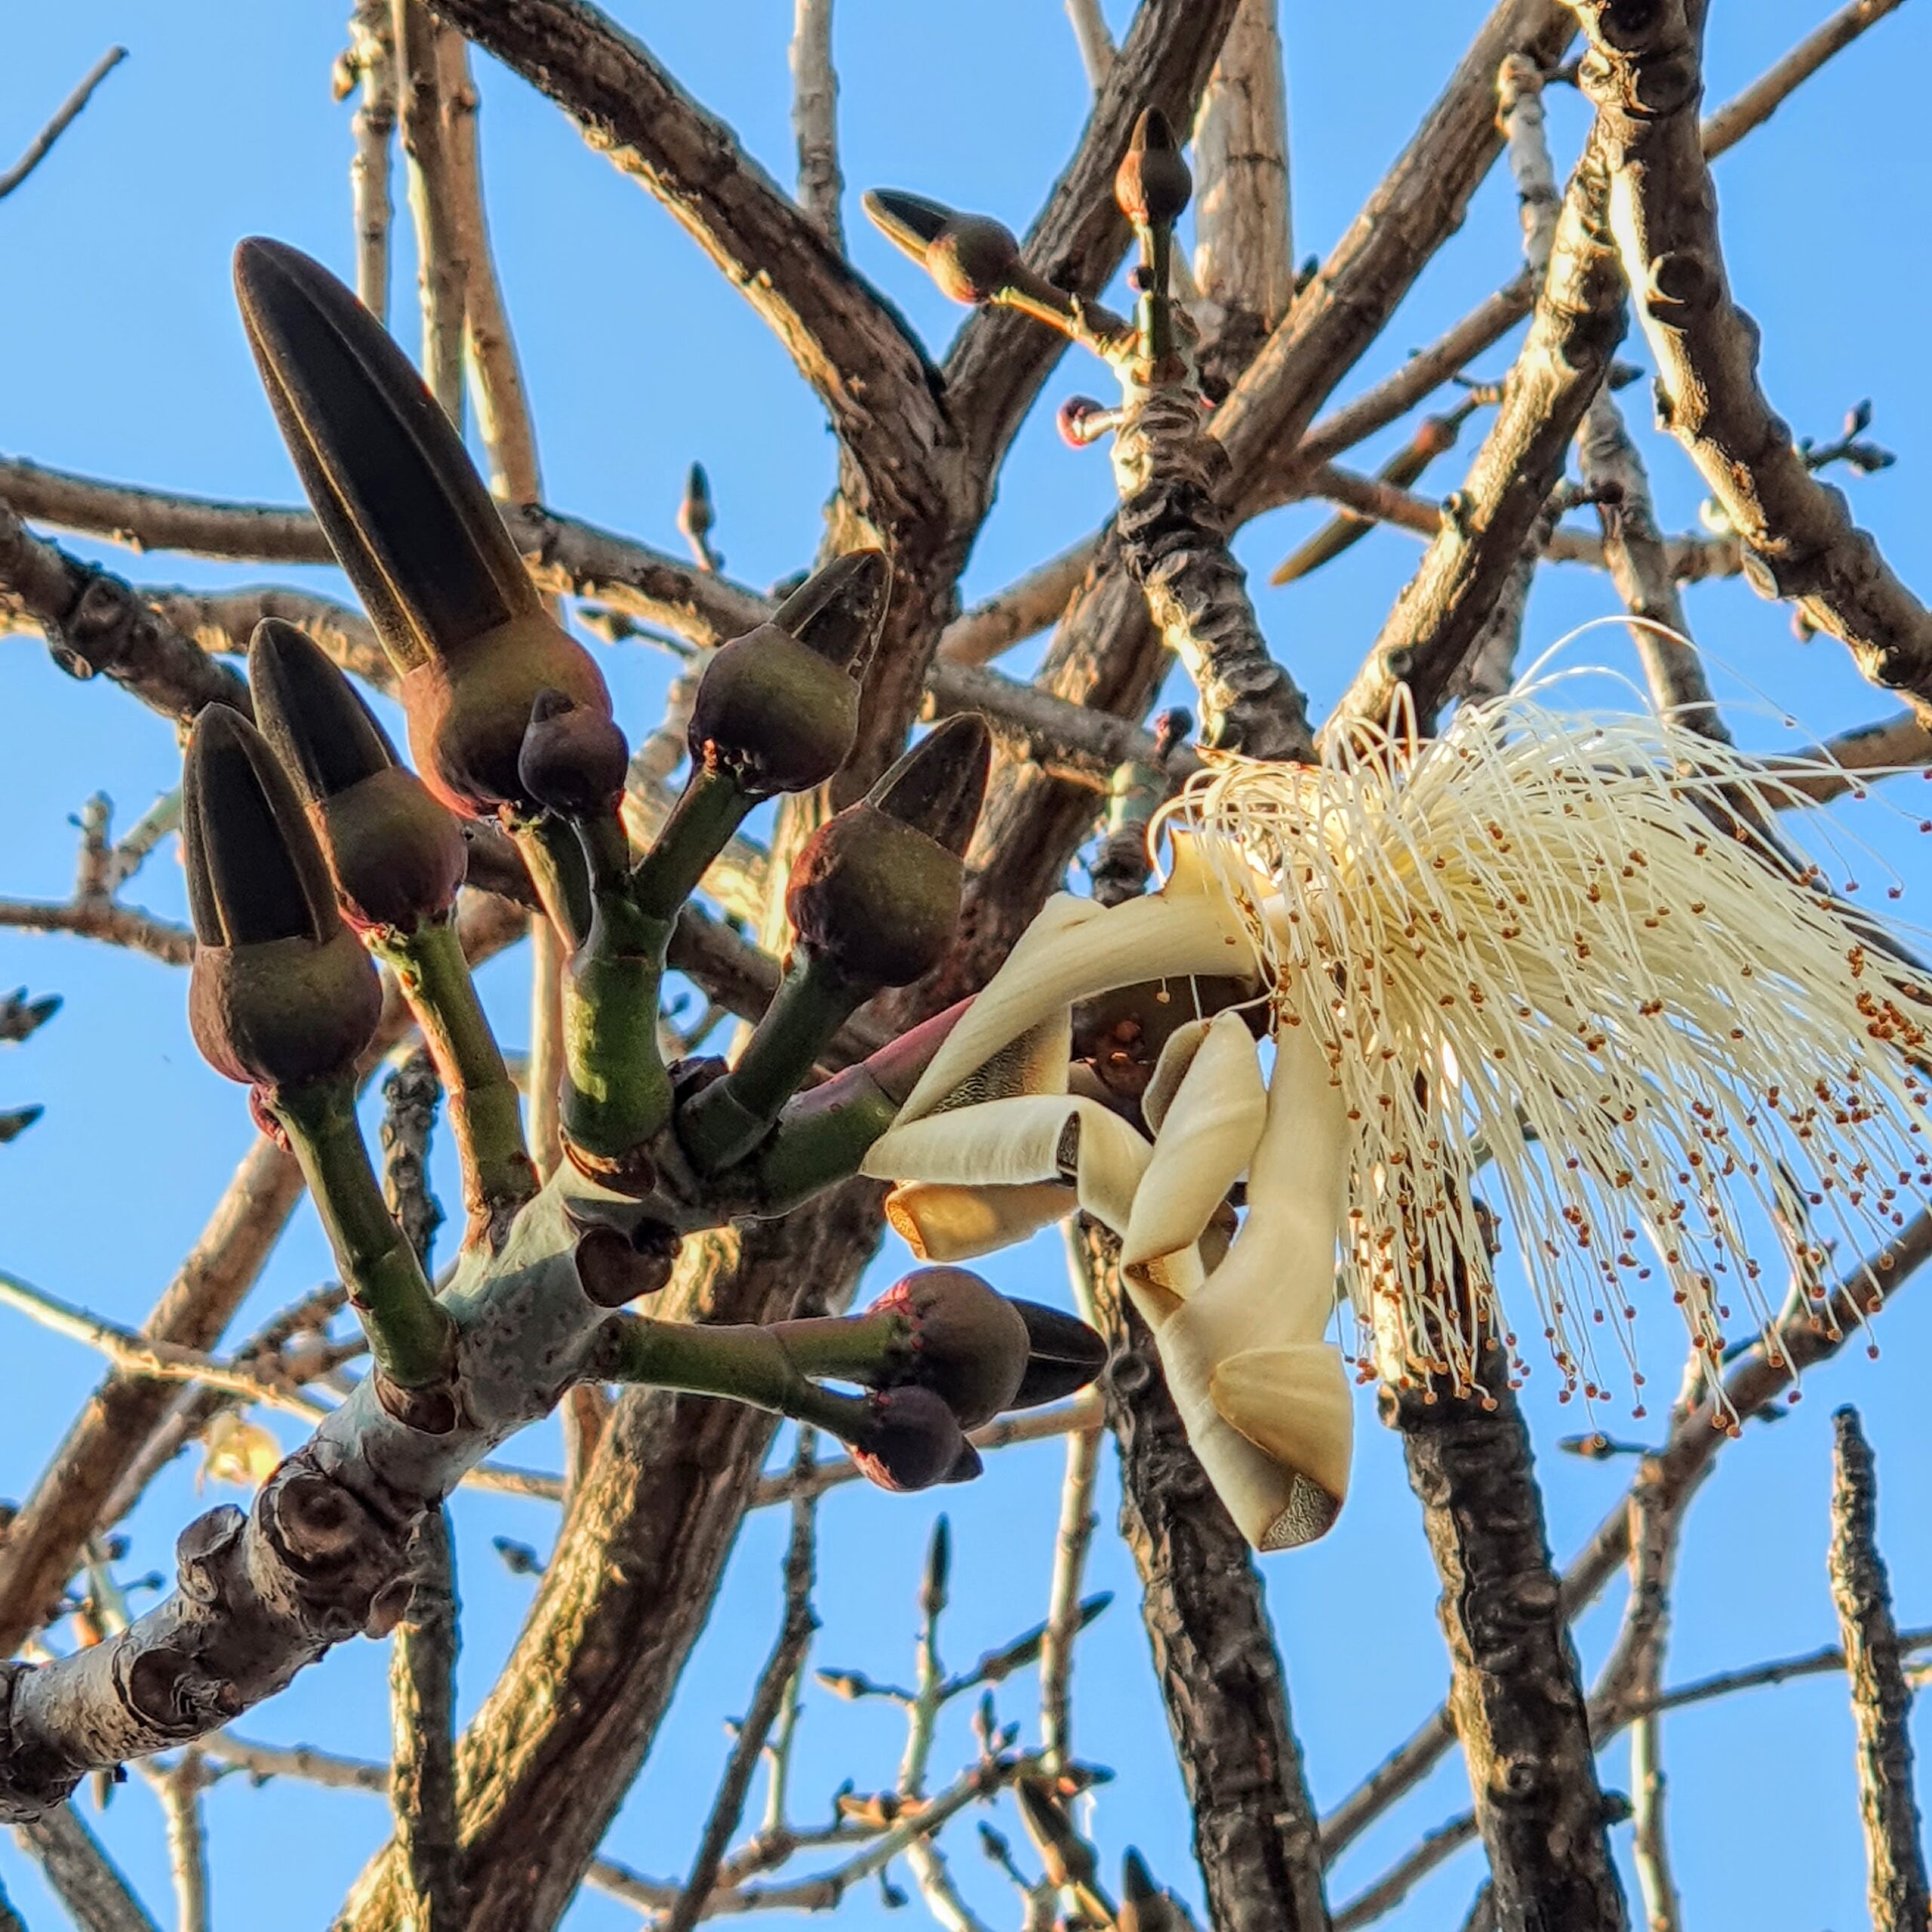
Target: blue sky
x: 125, y: 359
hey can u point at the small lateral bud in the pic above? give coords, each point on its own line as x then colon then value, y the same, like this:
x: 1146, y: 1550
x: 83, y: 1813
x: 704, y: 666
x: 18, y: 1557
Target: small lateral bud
x: 972, y: 258
x: 911, y: 1440
x: 573, y: 757
x: 966, y: 1342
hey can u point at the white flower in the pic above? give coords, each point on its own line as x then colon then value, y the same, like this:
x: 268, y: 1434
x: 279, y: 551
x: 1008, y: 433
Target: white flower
x: 1538, y: 942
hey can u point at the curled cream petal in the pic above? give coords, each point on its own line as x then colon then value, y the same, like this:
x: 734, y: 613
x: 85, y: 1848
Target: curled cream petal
x: 1270, y: 1420
x: 1170, y: 1070
x: 1284, y: 1257
x: 1076, y: 948
x: 1011, y: 1143
x: 940, y: 1222
x: 1208, y: 1135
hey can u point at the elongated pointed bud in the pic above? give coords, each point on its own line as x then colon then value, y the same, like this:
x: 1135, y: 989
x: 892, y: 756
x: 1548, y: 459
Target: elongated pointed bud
x: 397, y: 856
x: 1152, y: 185
x: 15, y: 1121
x: 21, y: 1018
x: 1144, y: 1906
x: 911, y: 1441
x: 972, y: 257
x: 412, y: 526
x: 280, y: 993
x: 1063, y: 1354
x: 965, y: 1341
x: 875, y: 892
x: 777, y: 709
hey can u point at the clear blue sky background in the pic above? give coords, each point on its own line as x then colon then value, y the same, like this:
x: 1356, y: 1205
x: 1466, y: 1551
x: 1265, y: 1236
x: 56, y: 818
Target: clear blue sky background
x: 123, y: 358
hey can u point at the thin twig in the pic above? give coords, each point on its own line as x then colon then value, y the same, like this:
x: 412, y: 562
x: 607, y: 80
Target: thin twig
x: 1654, y: 1535
x: 1880, y: 1701
x: 422, y: 1708
x: 179, y: 1789
x: 63, y: 116
x: 774, y: 1687
x: 1765, y: 95
x: 440, y: 272
x: 815, y: 117
x: 81, y: 1874
x: 1076, y: 1522
x: 369, y: 67
x: 1095, y: 40
x: 1020, y: 610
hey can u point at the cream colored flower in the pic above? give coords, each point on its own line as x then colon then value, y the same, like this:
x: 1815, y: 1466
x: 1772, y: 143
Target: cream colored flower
x: 1536, y: 946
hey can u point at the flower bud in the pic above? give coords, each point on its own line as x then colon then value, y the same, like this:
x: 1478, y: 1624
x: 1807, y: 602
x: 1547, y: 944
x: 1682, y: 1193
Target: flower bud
x: 1144, y: 1906
x: 573, y: 757
x: 1080, y: 419
x: 777, y: 709
x: 1152, y: 185
x: 412, y: 526
x: 280, y: 993
x: 1063, y: 1354
x: 967, y: 1343
x: 397, y: 856
x: 876, y: 891
x: 911, y: 1441
x: 971, y: 257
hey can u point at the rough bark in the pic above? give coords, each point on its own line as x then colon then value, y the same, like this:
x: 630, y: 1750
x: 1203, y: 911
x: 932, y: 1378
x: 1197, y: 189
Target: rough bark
x: 1881, y: 1698
x: 1516, y: 1695
x: 1800, y: 543
x: 1221, y: 1679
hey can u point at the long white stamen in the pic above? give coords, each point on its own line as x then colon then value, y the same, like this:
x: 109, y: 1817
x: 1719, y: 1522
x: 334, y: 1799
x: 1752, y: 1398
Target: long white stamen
x: 1539, y: 935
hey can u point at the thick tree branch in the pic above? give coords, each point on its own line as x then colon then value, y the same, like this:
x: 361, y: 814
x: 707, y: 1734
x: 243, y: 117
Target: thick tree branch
x: 423, y: 1703
x: 996, y: 366
x: 1516, y: 1698
x: 1419, y: 204
x: 1579, y: 320
x: 847, y: 343
x: 1880, y: 1701
x: 1800, y: 542
x: 1221, y: 1676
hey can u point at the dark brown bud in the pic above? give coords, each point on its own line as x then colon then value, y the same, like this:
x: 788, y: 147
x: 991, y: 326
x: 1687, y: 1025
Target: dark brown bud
x: 280, y: 993
x: 911, y: 1441
x: 1144, y: 1906
x: 971, y: 257
x: 573, y: 757
x: 1153, y: 186
x: 876, y: 891
x: 777, y: 709
x: 396, y: 855
x: 1063, y: 1354
x: 696, y: 516
x: 412, y: 526
x: 967, y: 1343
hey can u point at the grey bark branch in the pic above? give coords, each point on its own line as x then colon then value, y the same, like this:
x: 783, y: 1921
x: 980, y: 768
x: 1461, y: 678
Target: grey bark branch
x: 815, y: 117
x: 422, y: 1704
x: 1243, y: 248
x: 1800, y: 542
x: 63, y: 118
x: 1880, y: 1701
x: 441, y: 272
x: 1762, y: 1376
x: 82, y: 1875
x: 370, y: 68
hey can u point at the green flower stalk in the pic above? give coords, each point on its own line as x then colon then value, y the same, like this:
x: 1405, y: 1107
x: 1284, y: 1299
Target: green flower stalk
x: 413, y: 528
x: 777, y: 711
x: 874, y: 902
x: 281, y: 995
x: 397, y: 857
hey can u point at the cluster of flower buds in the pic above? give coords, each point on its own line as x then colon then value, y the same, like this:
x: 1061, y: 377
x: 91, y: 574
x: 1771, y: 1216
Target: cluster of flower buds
x: 957, y: 1354
x: 281, y: 992
x: 414, y: 530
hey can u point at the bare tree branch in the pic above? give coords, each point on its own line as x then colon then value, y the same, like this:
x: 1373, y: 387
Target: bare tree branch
x: 1800, y: 540
x: 815, y: 117
x: 1244, y: 249
x: 979, y: 635
x: 369, y: 68
x: 1765, y: 95
x: 82, y: 1875
x: 1880, y: 1701
x: 422, y: 1706
x: 63, y: 118
x: 441, y: 272
x: 1221, y: 1677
